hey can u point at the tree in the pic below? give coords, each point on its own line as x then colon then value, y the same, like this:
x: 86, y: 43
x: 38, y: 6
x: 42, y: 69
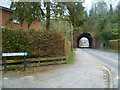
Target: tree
x: 73, y: 12
x: 33, y: 12
x: 26, y: 11
x: 103, y: 21
x: 18, y: 11
x: 111, y: 34
x: 111, y: 9
x: 48, y: 16
x: 76, y: 13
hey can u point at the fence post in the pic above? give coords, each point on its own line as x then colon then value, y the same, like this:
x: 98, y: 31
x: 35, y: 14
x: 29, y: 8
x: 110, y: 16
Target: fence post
x: 5, y: 64
x: 24, y: 63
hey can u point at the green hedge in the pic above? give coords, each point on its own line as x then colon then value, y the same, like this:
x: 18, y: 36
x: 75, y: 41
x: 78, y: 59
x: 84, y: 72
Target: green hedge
x: 114, y: 44
x: 36, y: 43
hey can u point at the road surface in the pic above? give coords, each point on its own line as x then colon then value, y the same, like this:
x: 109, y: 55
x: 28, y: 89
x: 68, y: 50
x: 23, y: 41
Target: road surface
x: 107, y: 58
x: 87, y: 72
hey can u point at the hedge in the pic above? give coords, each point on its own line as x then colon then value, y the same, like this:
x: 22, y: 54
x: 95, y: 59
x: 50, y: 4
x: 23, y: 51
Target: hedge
x: 36, y: 43
x: 115, y: 44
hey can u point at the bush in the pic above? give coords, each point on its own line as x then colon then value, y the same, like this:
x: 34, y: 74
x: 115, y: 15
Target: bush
x: 115, y: 44
x: 14, y: 41
x: 77, y: 29
x: 31, y: 30
x: 37, y: 43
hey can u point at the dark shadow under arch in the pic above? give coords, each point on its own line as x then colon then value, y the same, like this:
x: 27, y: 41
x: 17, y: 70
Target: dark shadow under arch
x: 88, y: 36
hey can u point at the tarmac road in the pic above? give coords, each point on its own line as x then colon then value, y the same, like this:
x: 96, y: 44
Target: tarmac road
x: 108, y: 58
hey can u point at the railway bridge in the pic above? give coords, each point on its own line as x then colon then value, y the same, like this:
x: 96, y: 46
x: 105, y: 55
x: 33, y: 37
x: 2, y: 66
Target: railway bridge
x: 77, y: 35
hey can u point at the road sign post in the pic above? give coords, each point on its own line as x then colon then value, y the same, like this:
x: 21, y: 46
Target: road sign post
x: 14, y: 54
x: 24, y: 63
x: 5, y: 64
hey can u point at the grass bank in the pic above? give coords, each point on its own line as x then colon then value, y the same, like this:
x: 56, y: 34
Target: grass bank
x: 110, y: 50
x: 71, y: 58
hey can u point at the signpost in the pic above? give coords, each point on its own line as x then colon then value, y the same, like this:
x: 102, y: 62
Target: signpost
x: 14, y: 54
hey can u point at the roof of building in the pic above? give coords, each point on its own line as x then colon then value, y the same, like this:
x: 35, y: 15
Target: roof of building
x: 5, y: 8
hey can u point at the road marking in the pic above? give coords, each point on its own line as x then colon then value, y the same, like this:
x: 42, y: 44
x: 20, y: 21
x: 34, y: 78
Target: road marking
x: 104, y: 53
x: 6, y: 78
x: 105, y: 57
x: 29, y: 76
x: 117, y: 77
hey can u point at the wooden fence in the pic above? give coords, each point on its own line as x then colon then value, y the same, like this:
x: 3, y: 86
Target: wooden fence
x: 31, y: 62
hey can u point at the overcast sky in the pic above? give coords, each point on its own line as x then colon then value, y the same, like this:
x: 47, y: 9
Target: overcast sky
x: 87, y: 4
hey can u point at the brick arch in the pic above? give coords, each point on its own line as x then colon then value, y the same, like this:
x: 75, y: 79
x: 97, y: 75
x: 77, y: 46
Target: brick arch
x: 79, y: 34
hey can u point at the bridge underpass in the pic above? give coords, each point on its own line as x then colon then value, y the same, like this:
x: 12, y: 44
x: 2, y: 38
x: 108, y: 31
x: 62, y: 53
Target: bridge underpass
x: 85, y: 38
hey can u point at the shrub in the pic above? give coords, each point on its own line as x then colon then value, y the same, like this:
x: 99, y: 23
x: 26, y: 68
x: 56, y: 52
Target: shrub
x: 77, y: 29
x: 31, y: 30
x: 37, y: 43
x: 48, y: 44
x: 114, y: 44
x: 15, y: 41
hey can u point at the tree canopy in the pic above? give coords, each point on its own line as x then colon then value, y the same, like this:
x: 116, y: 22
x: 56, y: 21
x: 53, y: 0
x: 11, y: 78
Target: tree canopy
x: 103, y: 20
x: 26, y: 11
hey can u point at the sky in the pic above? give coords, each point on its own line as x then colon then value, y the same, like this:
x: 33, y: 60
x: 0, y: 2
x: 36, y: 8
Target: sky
x: 4, y: 3
x: 87, y: 4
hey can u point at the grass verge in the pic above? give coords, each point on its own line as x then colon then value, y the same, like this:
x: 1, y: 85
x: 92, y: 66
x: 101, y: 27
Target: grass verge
x: 71, y: 58
x: 74, y: 49
x: 110, y: 50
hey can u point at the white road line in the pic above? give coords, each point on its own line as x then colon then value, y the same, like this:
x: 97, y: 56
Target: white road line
x: 5, y: 78
x: 105, y: 57
x: 105, y: 54
x: 30, y: 76
x: 117, y: 77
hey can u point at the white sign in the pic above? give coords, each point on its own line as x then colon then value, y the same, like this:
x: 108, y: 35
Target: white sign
x: 15, y: 54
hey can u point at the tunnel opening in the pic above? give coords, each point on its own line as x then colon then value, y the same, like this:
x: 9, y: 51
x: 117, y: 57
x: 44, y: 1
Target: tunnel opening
x: 84, y: 41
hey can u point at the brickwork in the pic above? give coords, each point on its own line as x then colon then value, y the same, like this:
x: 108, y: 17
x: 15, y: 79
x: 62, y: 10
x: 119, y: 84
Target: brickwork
x: 78, y: 34
x: 5, y: 14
